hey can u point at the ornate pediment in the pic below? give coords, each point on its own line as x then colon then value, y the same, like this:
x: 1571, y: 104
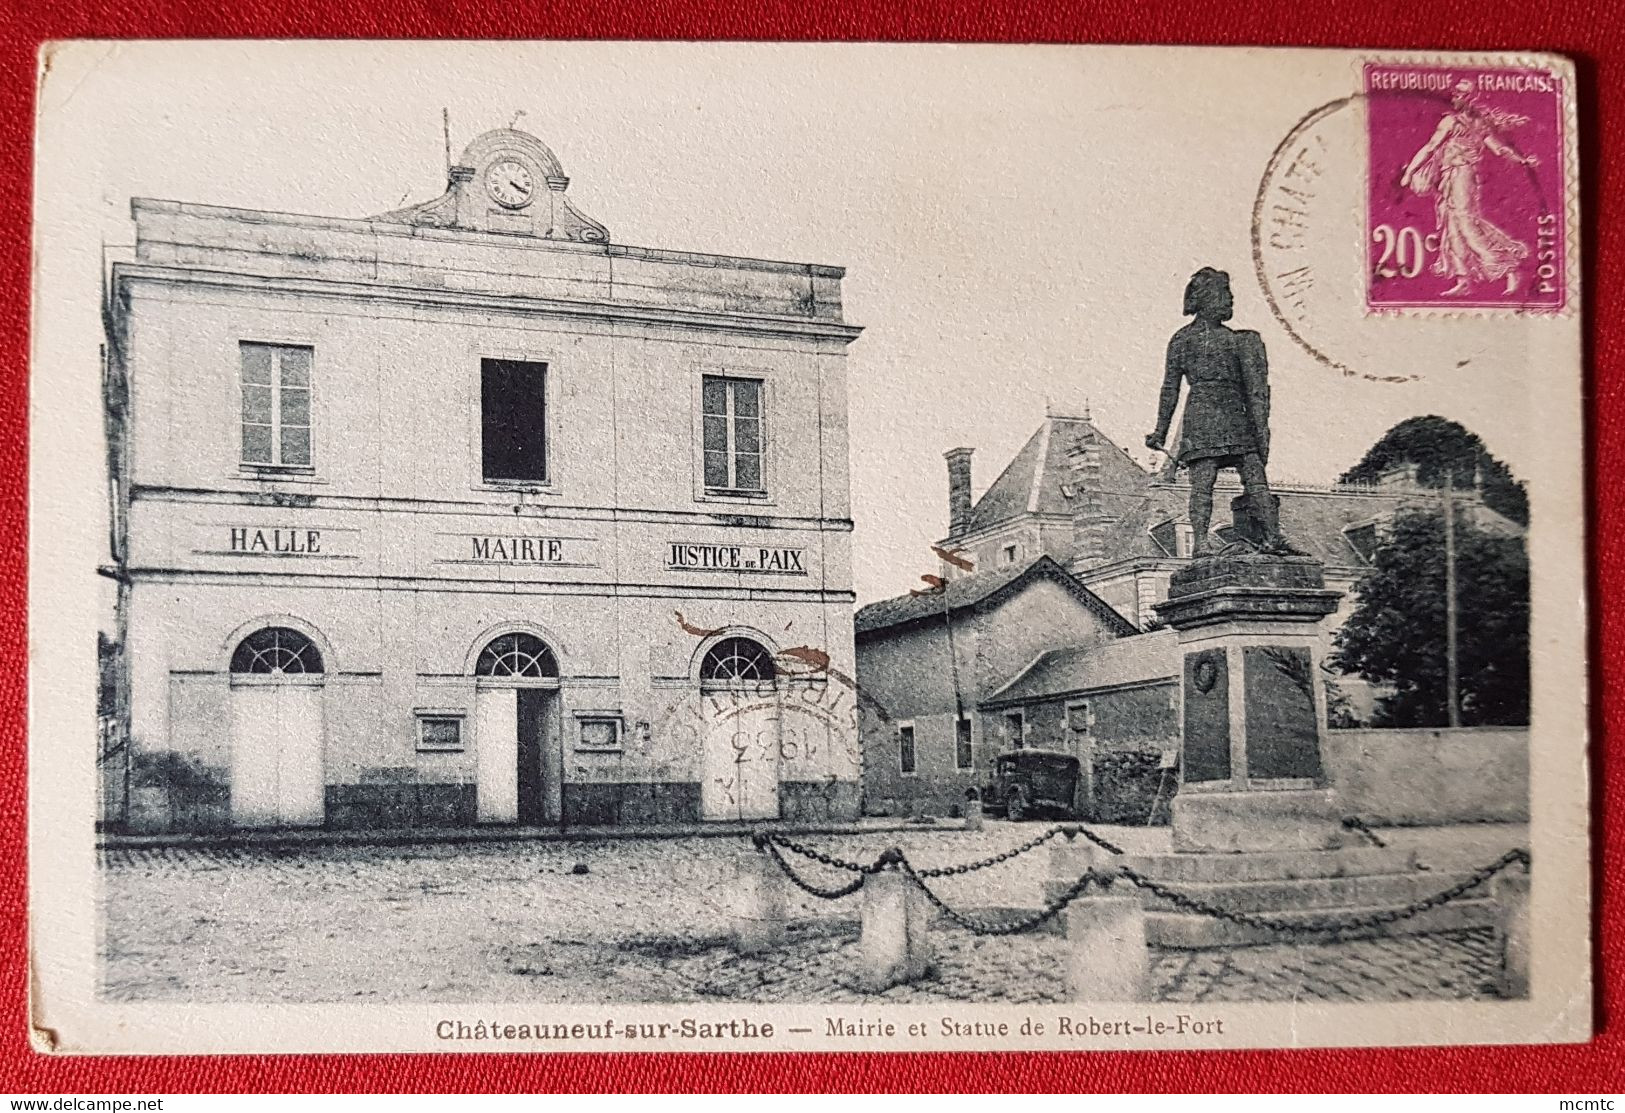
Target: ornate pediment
x: 506, y: 181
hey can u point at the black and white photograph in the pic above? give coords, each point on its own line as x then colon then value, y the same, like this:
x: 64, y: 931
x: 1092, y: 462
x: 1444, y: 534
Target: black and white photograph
x: 594, y: 546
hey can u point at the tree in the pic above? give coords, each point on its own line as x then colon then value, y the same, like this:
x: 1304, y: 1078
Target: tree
x: 1441, y: 449
x: 1396, y: 634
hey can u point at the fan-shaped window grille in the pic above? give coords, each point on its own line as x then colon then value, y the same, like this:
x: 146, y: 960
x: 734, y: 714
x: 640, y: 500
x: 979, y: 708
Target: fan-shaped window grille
x: 276, y: 650
x: 734, y: 659
x: 517, y: 655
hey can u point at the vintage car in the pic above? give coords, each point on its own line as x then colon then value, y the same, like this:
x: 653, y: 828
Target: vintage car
x: 1030, y: 782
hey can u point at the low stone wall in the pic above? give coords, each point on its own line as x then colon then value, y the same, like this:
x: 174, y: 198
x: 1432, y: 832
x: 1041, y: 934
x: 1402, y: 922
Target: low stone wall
x: 1430, y: 776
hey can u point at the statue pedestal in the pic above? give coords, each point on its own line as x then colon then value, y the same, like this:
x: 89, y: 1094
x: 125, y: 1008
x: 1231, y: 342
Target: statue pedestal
x: 1251, y: 779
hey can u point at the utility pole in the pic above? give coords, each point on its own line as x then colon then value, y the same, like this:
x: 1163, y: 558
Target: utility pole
x: 1452, y: 681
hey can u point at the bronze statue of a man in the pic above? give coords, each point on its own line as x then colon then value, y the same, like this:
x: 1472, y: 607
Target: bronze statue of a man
x: 1227, y: 415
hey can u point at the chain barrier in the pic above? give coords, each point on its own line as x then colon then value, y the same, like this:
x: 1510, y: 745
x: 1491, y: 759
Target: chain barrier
x: 1355, y: 823
x: 1013, y: 852
x: 1010, y: 927
x: 1477, y: 821
x: 771, y: 844
x: 764, y: 839
x: 1104, y: 844
x: 894, y: 858
x: 772, y: 851
x: 1325, y: 925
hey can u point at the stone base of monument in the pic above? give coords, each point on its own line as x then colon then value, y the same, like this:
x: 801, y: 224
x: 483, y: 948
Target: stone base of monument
x: 1254, y: 822
x: 1251, y: 779
x: 1256, y: 827
x: 1299, y: 887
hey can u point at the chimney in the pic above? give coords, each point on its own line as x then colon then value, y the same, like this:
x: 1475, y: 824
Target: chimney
x: 1088, y: 514
x: 1399, y: 477
x: 958, y: 490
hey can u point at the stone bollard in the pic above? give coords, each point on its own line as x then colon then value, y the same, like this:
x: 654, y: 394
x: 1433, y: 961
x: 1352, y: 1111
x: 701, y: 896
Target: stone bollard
x: 1068, y: 861
x: 1512, y: 926
x: 973, y: 812
x: 895, y: 945
x: 1106, y: 955
x: 761, y: 902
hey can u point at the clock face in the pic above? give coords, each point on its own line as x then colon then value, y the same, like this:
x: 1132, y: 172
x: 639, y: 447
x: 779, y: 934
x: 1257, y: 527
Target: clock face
x: 510, y: 184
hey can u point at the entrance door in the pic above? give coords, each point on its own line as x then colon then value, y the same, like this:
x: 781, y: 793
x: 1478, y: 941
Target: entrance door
x: 741, y: 760
x: 496, y: 758
x: 517, y: 755
x: 534, y: 704
x: 277, y: 777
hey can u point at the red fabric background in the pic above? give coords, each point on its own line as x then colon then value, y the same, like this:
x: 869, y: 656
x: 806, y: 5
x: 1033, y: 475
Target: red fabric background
x: 1589, y: 30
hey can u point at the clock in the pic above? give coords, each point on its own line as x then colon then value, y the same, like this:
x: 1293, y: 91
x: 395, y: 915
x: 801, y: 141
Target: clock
x: 510, y: 183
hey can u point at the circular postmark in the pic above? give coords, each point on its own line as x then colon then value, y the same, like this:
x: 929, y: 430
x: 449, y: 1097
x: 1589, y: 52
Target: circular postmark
x: 800, y: 726
x: 1382, y: 216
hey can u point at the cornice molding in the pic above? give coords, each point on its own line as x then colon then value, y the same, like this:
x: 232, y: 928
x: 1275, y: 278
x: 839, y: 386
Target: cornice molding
x: 276, y: 500
x: 549, y: 308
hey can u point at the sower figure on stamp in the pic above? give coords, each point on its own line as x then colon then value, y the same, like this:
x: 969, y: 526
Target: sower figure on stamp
x: 1227, y: 415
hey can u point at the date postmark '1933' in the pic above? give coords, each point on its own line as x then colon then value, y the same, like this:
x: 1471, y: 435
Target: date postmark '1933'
x: 1467, y: 189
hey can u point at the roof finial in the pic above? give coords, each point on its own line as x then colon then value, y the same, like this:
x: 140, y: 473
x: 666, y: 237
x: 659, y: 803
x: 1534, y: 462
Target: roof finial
x: 1069, y: 411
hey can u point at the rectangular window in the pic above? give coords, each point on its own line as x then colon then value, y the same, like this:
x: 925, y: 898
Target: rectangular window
x: 440, y: 733
x: 963, y: 757
x: 1015, y: 729
x: 513, y: 421
x: 600, y: 734
x: 1007, y: 555
x: 731, y: 410
x: 905, y: 749
x: 276, y: 405
x: 1184, y: 538
x: 1077, y: 718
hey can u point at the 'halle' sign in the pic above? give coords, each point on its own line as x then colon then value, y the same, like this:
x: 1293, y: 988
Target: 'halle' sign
x: 275, y: 542
x: 681, y: 557
x: 222, y: 539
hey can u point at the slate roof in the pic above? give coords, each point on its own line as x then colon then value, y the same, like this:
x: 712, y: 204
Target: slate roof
x: 1038, y: 480
x: 1312, y: 520
x: 985, y: 590
x: 1135, y: 660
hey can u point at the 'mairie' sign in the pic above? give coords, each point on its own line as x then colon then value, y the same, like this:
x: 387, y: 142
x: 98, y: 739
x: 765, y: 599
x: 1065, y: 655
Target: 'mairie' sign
x: 681, y: 557
x: 479, y: 548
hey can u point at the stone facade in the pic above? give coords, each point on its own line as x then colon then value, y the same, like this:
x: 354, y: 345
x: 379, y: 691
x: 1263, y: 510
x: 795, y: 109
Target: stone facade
x: 1116, y: 708
x: 384, y: 543
x: 928, y: 662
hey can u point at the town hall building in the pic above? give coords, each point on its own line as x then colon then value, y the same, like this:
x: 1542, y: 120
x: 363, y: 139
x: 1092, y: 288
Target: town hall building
x: 466, y: 513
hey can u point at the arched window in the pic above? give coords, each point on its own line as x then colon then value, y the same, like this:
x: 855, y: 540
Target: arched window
x: 276, y: 650
x: 517, y: 655
x: 733, y: 659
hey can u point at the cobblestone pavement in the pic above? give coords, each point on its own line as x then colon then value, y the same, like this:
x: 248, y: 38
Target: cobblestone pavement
x: 646, y: 921
x: 1029, y: 968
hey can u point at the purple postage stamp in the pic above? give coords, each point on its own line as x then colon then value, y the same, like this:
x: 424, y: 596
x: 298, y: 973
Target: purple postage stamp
x: 1467, y: 187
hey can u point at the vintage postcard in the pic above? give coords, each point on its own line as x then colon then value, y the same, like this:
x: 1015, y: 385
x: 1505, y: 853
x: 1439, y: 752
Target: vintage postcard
x: 675, y: 547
